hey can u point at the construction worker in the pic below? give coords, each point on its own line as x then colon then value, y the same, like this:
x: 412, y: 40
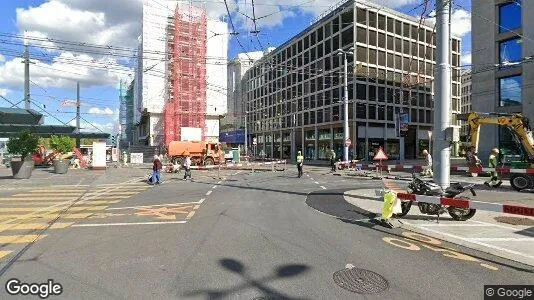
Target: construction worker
x: 332, y: 160
x: 494, y: 180
x: 300, y: 162
x: 156, y: 168
x: 427, y: 170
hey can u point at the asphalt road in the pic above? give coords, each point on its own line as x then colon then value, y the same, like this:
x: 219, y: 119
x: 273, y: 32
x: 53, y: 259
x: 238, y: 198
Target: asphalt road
x: 243, y: 236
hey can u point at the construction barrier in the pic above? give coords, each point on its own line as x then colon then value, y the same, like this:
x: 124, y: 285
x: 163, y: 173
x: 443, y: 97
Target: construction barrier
x: 412, y: 168
x: 478, y: 205
x: 240, y: 165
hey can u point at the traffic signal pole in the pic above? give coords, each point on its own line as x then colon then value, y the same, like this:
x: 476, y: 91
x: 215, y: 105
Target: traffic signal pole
x: 78, y: 104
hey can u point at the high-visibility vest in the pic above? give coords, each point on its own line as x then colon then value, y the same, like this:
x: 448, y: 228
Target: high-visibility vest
x: 300, y: 158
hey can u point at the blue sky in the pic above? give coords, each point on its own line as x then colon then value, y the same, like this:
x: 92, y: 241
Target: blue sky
x: 117, y: 23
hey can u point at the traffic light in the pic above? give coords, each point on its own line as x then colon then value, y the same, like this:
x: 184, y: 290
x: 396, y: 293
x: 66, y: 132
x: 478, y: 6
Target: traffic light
x: 113, y: 142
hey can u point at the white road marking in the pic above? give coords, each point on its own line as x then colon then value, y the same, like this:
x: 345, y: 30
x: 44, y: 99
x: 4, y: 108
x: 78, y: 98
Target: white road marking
x: 128, y: 223
x: 208, y: 193
x: 148, y: 206
x: 190, y: 215
x: 214, y: 187
x: 323, y: 187
x: 500, y: 226
x: 475, y: 242
x: 502, y: 239
x: 219, y: 182
x: 316, y: 182
x: 349, y: 266
x: 311, y: 178
x: 201, y: 201
x: 454, y: 225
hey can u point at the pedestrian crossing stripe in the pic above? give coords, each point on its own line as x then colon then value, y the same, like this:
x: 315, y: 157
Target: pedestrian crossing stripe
x: 45, y: 216
x: 47, y: 204
x: 85, y: 195
x: 20, y: 239
x: 88, y: 191
x: 33, y: 226
x: 4, y: 253
x: 77, y: 208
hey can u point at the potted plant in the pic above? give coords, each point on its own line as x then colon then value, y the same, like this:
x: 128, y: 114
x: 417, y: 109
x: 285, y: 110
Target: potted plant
x: 22, y: 146
x: 61, y: 146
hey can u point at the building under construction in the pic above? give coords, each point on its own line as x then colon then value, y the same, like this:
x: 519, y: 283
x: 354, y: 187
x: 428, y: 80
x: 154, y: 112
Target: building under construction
x: 184, y: 97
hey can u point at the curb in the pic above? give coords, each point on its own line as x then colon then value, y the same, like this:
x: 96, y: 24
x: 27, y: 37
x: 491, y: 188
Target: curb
x: 467, y: 244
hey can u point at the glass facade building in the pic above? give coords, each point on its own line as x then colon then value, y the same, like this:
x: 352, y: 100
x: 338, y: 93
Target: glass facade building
x: 294, y: 95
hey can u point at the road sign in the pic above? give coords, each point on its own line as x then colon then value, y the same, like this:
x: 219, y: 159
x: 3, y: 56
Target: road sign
x: 381, y: 155
x: 430, y: 134
x: 254, y: 141
x: 348, y: 142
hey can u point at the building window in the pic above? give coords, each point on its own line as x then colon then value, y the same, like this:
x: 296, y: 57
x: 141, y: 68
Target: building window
x: 510, y: 16
x: 510, y: 51
x: 510, y: 90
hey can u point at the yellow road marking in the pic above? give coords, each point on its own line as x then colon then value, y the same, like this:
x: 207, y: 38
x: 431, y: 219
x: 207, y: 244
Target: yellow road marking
x: 4, y: 254
x: 38, y: 198
x: 45, y: 216
x: 190, y: 215
x: 20, y: 239
x: 59, y: 199
x: 32, y: 226
x: 75, y: 208
x: 47, y: 204
x: 55, y: 191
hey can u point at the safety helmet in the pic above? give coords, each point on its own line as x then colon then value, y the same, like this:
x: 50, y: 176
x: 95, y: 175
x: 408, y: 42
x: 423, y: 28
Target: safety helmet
x: 299, y: 152
x: 495, y: 150
x: 425, y: 152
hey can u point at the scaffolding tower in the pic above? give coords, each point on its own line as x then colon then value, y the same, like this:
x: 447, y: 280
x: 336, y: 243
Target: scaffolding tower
x: 186, y: 98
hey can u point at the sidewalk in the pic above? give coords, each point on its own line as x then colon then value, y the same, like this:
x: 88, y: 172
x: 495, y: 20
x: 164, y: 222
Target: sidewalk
x: 483, y: 232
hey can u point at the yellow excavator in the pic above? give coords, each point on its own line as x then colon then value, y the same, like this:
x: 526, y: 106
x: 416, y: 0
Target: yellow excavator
x: 522, y: 133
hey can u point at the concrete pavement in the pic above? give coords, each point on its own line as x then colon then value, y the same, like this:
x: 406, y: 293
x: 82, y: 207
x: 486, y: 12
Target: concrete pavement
x: 252, y: 235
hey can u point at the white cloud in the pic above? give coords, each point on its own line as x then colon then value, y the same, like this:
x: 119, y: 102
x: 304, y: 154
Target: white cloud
x: 2, y: 58
x: 466, y: 58
x: 3, y: 92
x: 108, y: 127
x: 62, y: 73
x: 460, y: 22
x: 100, y: 111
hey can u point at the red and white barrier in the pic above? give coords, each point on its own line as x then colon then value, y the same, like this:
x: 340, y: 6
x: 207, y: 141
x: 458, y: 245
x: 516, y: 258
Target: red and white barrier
x: 410, y: 168
x: 478, y: 205
x: 230, y: 166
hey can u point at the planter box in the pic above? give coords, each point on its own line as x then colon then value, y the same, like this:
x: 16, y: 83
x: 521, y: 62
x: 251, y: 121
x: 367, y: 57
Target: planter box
x: 61, y: 166
x: 22, y: 169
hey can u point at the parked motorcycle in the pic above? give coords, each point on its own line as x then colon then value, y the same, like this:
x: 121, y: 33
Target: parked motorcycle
x: 419, y: 186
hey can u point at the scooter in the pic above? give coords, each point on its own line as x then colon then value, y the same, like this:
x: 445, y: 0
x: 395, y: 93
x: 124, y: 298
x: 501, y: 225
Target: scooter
x: 419, y: 186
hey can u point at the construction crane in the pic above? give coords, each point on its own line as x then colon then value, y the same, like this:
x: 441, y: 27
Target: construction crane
x: 522, y: 133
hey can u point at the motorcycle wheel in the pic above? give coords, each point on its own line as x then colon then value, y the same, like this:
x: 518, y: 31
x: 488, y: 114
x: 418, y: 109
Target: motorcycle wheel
x: 461, y: 214
x: 405, y: 205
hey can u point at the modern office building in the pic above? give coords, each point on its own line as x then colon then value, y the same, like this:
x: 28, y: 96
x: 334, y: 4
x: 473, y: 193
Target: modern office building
x: 503, y: 69
x: 466, y: 103
x: 294, y: 94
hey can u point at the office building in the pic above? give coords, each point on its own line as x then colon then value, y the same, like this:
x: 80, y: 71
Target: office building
x: 294, y: 94
x: 503, y: 72
x: 466, y: 103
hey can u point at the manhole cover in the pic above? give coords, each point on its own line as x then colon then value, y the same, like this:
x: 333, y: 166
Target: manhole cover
x: 515, y: 221
x: 360, y: 281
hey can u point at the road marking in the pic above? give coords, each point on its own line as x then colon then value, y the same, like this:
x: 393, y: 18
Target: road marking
x: 316, y: 182
x: 500, y: 226
x: 20, y: 239
x: 208, y: 193
x: 45, y: 216
x: 323, y: 187
x: 47, y: 204
x: 156, y: 205
x: 4, y: 254
x: 30, y: 209
x: 490, y: 267
x: 219, y: 182
x: 214, y: 187
x: 52, y: 198
x: 126, y: 224
x: 33, y: 226
x: 501, y: 239
x: 201, y: 201
x: 190, y: 215
x: 454, y: 225
x: 311, y: 178
x: 196, y: 207
x: 478, y: 243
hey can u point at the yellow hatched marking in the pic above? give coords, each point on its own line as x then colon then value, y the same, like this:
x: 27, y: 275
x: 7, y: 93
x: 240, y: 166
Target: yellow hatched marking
x: 45, y: 216
x: 59, y: 199
x: 20, y: 239
x: 47, y: 204
x: 74, y: 208
x: 33, y: 226
x: 111, y: 193
x: 4, y: 254
x: 55, y: 191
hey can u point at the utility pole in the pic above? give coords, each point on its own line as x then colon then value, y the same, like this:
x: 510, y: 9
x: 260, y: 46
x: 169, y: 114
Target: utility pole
x: 246, y: 136
x: 26, y: 75
x: 442, y: 111
x: 78, y: 104
x: 345, y: 102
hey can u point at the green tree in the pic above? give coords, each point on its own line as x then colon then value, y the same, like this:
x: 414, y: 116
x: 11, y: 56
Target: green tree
x: 23, y: 143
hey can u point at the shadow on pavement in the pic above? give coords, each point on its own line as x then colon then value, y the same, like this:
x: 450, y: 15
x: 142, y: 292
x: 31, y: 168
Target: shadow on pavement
x: 260, y: 284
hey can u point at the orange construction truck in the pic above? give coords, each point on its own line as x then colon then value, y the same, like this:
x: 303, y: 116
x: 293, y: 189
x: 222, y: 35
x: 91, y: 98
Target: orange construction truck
x: 202, y: 153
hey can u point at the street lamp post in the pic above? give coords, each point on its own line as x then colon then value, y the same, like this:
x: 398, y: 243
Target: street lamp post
x: 246, y: 137
x: 345, y: 102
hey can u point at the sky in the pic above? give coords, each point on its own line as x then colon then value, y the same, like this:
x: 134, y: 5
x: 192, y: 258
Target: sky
x: 61, y: 32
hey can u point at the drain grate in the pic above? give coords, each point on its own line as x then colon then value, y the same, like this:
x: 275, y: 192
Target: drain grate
x: 360, y: 281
